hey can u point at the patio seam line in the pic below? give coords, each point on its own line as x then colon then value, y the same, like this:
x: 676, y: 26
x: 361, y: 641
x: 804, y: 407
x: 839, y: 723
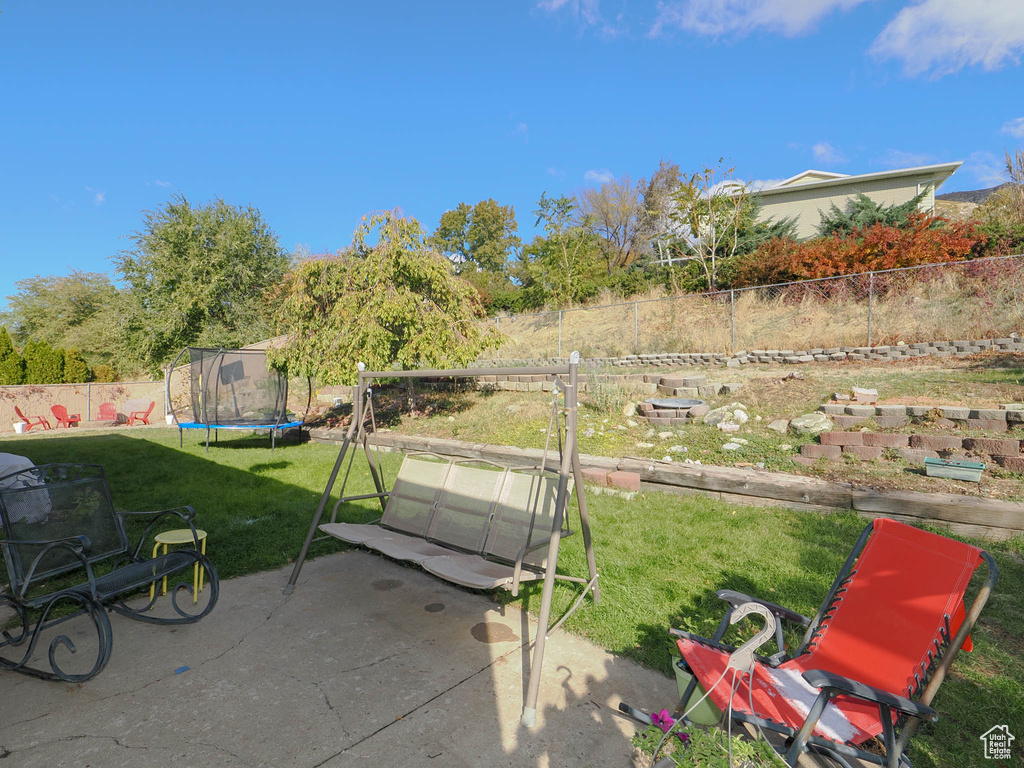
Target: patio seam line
x: 12, y: 752
x: 421, y: 705
x: 244, y: 637
x: 327, y: 699
x: 219, y: 748
x: 372, y: 663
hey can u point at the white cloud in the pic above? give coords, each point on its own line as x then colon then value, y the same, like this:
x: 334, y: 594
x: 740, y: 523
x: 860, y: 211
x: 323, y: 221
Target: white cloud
x: 1014, y: 127
x: 756, y: 185
x: 522, y: 129
x: 943, y: 36
x: 558, y: 173
x: 587, y: 11
x: 988, y: 169
x: 825, y: 153
x: 740, y: 17
x: 895, y: 158
x: 160, y: 183
x: 99, y: 197
x: 599, y: 176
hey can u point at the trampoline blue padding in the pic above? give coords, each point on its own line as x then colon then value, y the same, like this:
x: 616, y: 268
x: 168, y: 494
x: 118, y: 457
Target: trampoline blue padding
x: 274, y: 429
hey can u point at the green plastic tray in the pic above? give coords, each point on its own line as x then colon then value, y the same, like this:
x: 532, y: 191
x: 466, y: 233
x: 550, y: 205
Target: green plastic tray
x: 954, y: 470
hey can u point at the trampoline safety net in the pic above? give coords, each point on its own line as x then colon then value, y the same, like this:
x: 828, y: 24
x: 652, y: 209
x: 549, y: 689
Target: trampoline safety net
x: 235, y: 387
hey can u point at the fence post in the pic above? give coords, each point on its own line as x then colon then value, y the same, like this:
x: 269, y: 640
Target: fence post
x: 871, y: 302
x: 559, y: 333
x: 497, y: 325
x: 636, y: 327
x: 88, y: 401
x: 732, y: 317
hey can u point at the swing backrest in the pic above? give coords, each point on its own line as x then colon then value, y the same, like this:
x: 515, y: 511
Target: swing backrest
x: 414, y: 496
x: 524, y: 516
x: 466, y: 505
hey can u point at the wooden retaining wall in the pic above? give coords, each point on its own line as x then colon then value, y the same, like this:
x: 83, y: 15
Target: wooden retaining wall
x: 966, y: 515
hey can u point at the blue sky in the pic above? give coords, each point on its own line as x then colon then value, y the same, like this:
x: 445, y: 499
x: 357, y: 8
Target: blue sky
x: 318, y: 112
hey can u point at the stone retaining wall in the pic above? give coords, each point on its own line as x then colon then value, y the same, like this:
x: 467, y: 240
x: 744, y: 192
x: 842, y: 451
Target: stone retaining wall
x: 1006, y: 417
x: 788, y: 356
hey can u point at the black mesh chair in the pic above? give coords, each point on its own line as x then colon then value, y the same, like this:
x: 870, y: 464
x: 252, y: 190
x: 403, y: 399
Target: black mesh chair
x: 68, y: 554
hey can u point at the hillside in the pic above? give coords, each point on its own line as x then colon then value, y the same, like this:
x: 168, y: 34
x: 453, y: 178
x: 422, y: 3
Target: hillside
x: 976, y: 196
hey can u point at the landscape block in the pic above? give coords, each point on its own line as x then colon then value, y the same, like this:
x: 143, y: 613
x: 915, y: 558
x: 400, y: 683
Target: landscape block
x: 992, y: 445
x: 629, y: 481
x: 891, y: 422
x: 916, y: 455
x: 863, y: 452
x: 841, y: 438
x: 936, y: 442
x: 845, y: 422
x: 987, y: 425
x: 595, y: 475
x: 1010, y: 463
x: 812, y: 451
x: 883, y: 440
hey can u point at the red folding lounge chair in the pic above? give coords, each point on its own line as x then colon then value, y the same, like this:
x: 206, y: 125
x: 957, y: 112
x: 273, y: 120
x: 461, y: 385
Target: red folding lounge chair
x: 108, y: 412
x: 64, y: 419
x: 142, y: 416
x: 871, y: 659
x: 35, y: 421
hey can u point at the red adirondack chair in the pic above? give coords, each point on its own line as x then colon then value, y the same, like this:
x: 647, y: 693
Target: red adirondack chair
x: 64, y: 419
x: 142, y: 416
x: 108, y: 412
x: 35, y: 421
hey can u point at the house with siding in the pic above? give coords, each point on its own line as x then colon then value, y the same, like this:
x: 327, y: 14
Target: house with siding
x: 807, y: 195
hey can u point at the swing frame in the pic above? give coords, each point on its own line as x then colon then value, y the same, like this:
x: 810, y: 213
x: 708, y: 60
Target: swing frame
x: 565, y: 380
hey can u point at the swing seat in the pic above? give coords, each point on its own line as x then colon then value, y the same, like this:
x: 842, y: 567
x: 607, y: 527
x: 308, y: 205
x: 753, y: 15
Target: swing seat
x: 472, y: 523
x: 475, y: 572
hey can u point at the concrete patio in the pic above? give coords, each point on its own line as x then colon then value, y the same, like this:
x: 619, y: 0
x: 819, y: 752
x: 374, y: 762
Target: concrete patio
x: 367, y: 663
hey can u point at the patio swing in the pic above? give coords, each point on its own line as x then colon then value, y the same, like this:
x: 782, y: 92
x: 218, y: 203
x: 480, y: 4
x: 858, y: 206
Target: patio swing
x: 473, y: 522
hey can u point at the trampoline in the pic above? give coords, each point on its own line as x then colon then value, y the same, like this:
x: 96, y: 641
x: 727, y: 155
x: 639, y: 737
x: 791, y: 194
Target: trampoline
x: 234, y: 389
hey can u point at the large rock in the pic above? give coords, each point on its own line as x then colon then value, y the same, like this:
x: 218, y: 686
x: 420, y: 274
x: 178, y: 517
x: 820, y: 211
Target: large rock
x: 811, y: 424
x: 727, y: 415
x: 779, y: 425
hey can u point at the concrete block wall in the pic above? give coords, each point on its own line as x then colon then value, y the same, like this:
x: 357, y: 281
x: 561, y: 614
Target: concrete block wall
x: 960, y: 348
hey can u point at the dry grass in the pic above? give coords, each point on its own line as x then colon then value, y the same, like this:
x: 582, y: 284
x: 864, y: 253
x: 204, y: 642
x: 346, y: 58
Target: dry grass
x: 966, y: 302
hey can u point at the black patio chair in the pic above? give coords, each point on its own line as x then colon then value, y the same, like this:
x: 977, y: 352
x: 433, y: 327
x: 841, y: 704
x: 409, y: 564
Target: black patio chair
x: 68, y: 554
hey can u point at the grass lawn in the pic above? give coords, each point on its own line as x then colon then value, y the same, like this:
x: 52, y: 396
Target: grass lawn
x: 661, y: 557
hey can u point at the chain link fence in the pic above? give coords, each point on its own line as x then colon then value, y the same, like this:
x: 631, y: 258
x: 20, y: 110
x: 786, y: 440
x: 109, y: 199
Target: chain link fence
x: 975, y: 299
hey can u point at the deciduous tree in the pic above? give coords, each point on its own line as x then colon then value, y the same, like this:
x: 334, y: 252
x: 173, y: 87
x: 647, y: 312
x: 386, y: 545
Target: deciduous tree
x: 480, y: 237
x: 197, y: 275
x: 566, y: 260
x: 708, y: 209
x: 76, y: 310
x: 388, y: 300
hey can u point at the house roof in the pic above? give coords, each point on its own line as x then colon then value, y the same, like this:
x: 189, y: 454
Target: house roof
x: 809, y: 176
x: 824, y: 179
